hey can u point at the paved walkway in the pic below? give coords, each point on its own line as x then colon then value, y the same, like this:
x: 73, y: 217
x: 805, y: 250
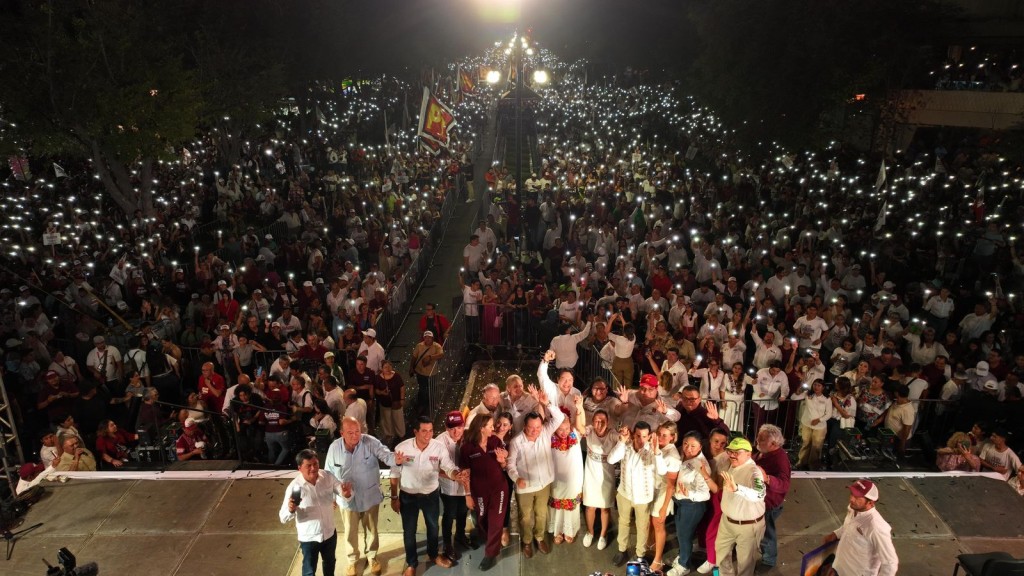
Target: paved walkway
x: 441, y: 282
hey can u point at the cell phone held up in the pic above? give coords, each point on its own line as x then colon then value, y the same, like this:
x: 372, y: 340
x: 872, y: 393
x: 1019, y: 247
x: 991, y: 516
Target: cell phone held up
x: 296, y: 497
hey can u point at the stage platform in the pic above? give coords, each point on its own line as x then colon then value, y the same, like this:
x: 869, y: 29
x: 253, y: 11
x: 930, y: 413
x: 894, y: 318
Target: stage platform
x: 193, y: 523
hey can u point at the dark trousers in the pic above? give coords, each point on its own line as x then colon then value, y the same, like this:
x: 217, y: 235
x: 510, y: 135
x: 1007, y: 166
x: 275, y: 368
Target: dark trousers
x: 312, y: 551
x: 491, y: 510
x: 422, y: 395
x: 770, y: 541
x: 411, y: 506
x: 454, y: 515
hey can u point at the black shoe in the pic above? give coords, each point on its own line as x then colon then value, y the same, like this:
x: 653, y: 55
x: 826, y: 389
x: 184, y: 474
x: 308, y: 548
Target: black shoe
x: 619, y: 559
x: 487, y: 563
x: 467, y: 542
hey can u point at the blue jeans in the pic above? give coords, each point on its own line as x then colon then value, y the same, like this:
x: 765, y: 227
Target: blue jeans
x: 770, y: 542
x: 278, y: 447
x: 687, y: 516
x: 411, y: 506
x: 312, y: 551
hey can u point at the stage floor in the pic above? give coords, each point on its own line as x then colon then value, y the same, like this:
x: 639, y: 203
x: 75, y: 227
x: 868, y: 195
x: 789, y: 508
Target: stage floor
x: 217, y: 523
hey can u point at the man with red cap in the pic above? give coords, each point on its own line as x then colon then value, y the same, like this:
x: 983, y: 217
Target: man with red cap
x: 643, y: 405
x: 865, y: 538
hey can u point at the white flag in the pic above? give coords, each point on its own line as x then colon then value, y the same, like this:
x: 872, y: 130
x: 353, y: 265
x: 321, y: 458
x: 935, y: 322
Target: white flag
x: 58, y: 171
x: 880, y: 221
x: 881, y: 177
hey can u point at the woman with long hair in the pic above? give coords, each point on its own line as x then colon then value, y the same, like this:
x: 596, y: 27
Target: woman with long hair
x: 661, y: 507
x: 485, y: 458
x: 598, y: 477
x: 692, y: 492
x: 112, y: 444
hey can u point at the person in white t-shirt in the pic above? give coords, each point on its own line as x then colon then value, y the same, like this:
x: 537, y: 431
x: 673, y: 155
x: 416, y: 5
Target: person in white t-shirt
x: 811, y: 329
x: 997, y: 456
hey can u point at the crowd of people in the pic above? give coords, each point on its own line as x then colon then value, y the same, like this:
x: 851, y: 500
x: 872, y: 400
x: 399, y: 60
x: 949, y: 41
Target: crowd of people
x: 568, y: 461
x: 246, y: 308
x: 817, y: 291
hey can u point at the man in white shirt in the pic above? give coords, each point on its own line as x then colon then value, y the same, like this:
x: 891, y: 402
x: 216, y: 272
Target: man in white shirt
x: 766, y: 350
x: 474, y: 255
x: 811, y: 329
x: 642, y: 464
x: 516, y: 402
x: 105, y: 364
x: 743, y: 508
x: 415, y: 488
x: 564, y: 346
x: 490, y: 402
x: 567, y: 394
x: 865, y: 538
x: 771, y: 385
x: 309, y: 500
x: 372, y: 349
x: 530, y: 467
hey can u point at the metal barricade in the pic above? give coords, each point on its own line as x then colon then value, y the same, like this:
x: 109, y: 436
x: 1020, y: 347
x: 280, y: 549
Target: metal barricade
x: 447, y: 384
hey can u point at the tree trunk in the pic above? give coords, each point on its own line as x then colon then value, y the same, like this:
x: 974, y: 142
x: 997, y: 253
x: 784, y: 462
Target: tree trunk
x: 118, y: 183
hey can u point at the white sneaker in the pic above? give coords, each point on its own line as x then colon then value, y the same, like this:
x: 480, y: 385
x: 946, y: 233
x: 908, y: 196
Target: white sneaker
x: 588, y: 539
x: 678, y: 570
x: 705, y: 568
x: 602, y: 543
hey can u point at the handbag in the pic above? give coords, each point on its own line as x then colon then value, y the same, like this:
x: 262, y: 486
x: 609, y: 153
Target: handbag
x: 498, y: 320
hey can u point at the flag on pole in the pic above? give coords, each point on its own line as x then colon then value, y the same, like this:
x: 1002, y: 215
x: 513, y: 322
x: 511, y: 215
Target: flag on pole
x: 465, y: 81
x: 436, y: 119
x: 880, y: 221
x: 881, y: 177
x: 58, y: 171
x: 20, y: 168
x: 320, y: 115
x: 387, y: 136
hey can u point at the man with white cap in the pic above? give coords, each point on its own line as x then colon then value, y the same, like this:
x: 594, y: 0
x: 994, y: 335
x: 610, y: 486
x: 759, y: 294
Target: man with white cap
x: 422, y: 365
x: 865, y: 538
x: 979, y: 377
x: 743, y: 507
x: 372, y: 349
x: 105, y: 364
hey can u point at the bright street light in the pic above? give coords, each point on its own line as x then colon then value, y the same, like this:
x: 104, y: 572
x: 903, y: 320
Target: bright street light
x: 493, y: 76
x: 540, y: 77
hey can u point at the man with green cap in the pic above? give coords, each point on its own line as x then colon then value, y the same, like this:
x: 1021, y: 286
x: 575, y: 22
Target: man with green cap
x: 742, y: 524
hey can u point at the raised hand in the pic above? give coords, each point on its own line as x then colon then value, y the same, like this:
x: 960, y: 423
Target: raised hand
x: 623, y: 393
x: 549, y: 356
x: 712, y: 410
x: 624, y: 434
x: 400, y: 458
x: 660, y: 406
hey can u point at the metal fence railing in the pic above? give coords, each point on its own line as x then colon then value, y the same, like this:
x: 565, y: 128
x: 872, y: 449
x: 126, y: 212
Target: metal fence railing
x: 448, y: 384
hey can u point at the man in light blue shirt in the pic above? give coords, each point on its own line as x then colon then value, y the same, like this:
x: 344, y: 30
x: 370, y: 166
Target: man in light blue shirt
x: 353, y: 460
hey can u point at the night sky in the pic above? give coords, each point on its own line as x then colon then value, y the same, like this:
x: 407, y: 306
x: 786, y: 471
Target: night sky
x: 390, y: 34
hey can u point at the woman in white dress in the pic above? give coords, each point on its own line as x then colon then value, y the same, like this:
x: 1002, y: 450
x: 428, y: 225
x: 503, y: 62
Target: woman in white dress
x: 598, y: 478
x: 567, y: 488
x: 711, y: 378
x: 662, y: 505
x: 732, y: 394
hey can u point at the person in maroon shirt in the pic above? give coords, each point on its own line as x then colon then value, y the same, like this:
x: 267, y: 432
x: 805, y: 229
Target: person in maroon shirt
x: 313, y: 350
x: 112, y: 444
x: 695, y: 416
x: 56, y: 397
x: 484, y: 455
x: 935, y: 375
x: 774, y: 463
x: 211, y: 388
